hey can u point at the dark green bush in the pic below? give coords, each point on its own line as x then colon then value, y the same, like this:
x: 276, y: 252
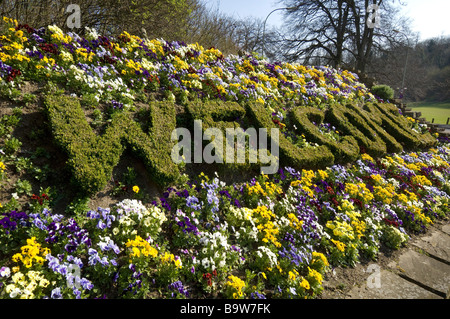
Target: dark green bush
x: 155, y: 147
x: 383, y: 91
x: 375, y: 121
x: 216, y: 113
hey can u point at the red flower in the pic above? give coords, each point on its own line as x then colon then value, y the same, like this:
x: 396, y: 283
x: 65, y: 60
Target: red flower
x: 108, y: 60
x: 104, y: 41
x: 29, y: 29
x: 319, y: 208
x: 330, y: 190
x: 124, y: 38
x: 39, y: 198
x: 208, y: 277
x: 390, y: 222
x: 49, y: 47
x: 277, y: 122
x: 357, y: 202
x: 12, y: 75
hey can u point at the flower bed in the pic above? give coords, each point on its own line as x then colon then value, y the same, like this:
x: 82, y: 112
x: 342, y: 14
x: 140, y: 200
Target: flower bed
x: 115, y: 70
x: 271, y: 237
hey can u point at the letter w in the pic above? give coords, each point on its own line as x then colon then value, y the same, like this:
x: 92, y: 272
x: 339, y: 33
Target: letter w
x: 92, y: 158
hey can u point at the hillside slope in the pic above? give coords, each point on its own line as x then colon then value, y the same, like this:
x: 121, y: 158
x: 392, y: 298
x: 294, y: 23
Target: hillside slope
x: 94, y: 205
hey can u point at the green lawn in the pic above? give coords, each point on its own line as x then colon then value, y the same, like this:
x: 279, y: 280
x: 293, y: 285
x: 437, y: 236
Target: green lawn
x: 440, y: 111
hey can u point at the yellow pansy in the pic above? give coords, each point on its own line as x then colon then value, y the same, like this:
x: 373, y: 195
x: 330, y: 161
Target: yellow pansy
x: 339, y: 245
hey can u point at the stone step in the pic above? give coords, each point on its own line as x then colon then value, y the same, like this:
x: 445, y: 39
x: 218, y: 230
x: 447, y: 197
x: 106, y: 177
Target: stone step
x: 425, y: 271
x: 437, y: 244
x: 446, y: 229
x: 390, y: 286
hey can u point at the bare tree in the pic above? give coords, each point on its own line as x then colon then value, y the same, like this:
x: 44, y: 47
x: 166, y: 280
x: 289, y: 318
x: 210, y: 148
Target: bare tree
x: 211, y: 28
x: 248, y: 35
x: 337, y: 32
x: 316, y: 28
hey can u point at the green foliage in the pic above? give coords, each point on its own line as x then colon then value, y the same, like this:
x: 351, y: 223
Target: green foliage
x: 79, y: 206
x: 222, y: 115
x: 383, y: 91
x: 28, y: 98
x: 398, y: 127
x: 344, y: 150
x: 23, y: 163
x: 12, y: 145
x: 23, y: 187
x: 92, y: 158
x: 393, y: 237
x: 353, y: 124
x: 8, y: 123
x: 97, y: 118
x: 11, y: 93
x: 373, y: 128
x: 89, y: 100
x: 130, y: 176
x: 310, y: 157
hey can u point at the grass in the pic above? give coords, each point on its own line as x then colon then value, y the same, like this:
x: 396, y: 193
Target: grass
x: 440, y: 111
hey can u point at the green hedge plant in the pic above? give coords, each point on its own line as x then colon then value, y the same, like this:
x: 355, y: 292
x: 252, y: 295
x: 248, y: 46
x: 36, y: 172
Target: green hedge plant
x: 383, y: 91
x: 92, y: 158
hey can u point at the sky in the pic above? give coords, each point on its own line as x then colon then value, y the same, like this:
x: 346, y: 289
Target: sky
x: 428, y: 17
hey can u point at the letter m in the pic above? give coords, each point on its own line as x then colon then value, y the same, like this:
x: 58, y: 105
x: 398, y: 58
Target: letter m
x: 92, y: 157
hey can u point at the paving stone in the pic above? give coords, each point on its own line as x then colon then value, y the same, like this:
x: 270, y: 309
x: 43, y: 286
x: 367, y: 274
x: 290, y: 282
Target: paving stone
x: 446, y: 229
x: 425, y: 270
x: 391, y: 286
x: 437, y: 244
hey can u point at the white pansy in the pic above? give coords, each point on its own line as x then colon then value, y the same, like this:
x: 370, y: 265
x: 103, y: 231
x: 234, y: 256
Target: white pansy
x: 265, y: 253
